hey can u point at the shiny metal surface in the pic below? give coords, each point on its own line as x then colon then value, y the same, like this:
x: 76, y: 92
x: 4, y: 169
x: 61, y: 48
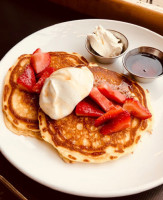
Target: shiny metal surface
x: 144, y: 49
x: 108, y: 60
x: 8, y: 185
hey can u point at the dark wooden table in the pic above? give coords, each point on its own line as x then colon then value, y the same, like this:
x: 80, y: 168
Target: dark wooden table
x: 18, y: 19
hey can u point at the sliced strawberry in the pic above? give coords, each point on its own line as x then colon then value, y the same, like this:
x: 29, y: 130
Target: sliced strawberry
x: 37, y: 51
x: 40, y: 60
x: 112, y: 113
x: 27, y: 79
x: 88, y: 108
x: 119, y: 123
x: 135, y: 108
x: 49, y: 69
x: 100, y: 99
x: 110, y: 93
x: 38, y: 86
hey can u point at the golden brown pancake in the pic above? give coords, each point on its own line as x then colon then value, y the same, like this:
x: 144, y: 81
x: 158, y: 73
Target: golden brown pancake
x: 78, y: 140
x: 21, y: 107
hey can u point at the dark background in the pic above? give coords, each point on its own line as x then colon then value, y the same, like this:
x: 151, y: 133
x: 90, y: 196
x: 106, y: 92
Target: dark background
x: 19, y: 19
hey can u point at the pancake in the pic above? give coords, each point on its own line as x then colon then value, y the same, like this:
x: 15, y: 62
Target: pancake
x: 77, y: 139
x: 21, y: 107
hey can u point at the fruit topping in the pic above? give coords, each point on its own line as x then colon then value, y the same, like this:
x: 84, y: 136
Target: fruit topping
x: 136, y: 109
x: 40, y: 60
x: 110, y: 93
x: 37, y: 51
x: 48, y: 69
x: 88, y: 108
x: 119, y: 123
x: 27, y: 78
x: 112, y: 113
x: 100, y: 99
x: 38, y: 86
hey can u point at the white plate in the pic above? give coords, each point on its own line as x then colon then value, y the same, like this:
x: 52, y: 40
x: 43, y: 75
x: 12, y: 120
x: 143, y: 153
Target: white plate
x: 131, y: 174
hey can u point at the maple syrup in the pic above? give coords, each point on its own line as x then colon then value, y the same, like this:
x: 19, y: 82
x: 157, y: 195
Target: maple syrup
x: 145, y: 65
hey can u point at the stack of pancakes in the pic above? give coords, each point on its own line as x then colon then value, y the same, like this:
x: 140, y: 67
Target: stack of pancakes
x: 75, y: 138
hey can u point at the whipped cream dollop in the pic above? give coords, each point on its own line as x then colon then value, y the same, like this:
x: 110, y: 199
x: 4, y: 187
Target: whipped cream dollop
x: 105, y: 43
x: 64, y: 89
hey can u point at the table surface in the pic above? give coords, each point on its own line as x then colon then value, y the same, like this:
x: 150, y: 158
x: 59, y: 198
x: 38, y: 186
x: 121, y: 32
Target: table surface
x: 34, y: 16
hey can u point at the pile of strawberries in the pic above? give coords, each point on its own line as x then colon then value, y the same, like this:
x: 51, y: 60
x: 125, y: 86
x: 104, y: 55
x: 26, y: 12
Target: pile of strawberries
x: 34, y: 75
x: 115, y: 116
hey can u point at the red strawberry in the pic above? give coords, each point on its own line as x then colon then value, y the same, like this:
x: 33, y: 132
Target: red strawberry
x: 49, y: 69
x: 110, y: 93
x: 38, y: 86
x: 40, y: 60
x: 119, y: 123
x: 100, y: 99
x: 88, y: 108
x: 37, y: 51
x: 27, y: 78
x: 112, y: 113
x: 136, y: 109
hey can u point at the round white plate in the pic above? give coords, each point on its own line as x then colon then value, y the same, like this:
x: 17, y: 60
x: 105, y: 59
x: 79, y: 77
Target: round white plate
x: 131, y: 174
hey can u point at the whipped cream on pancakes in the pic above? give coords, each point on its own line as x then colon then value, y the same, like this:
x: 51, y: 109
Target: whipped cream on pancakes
x: 64, y: 89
